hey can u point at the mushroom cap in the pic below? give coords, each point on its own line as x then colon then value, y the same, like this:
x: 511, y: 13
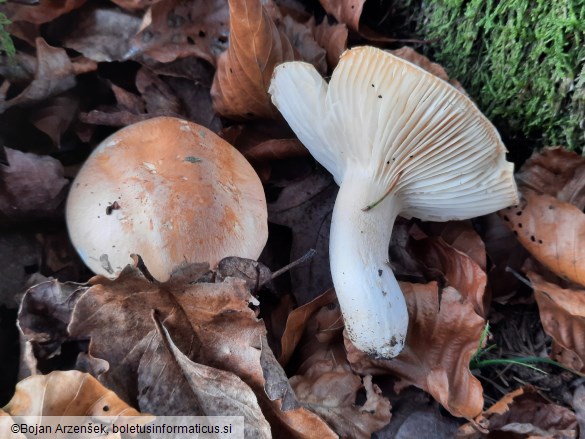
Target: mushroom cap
x: 405, y: 128
x: 170, y: 191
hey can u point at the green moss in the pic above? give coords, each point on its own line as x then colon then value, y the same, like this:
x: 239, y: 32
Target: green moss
x: 6, y: 44
x: 523, y: 61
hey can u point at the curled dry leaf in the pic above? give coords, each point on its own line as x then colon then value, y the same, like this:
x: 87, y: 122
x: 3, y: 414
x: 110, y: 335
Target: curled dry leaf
x: 302, y: 39
x: 556, y: 172
x: 177, y: 28
x: 552, y: 231
x: 330, y: 390
x: 345, y: 11
x: 33, y: 187
x: 524, y: 413
x: 135, y: 4
x: 443, y: 333
x: 55, y: 73
x: 562, y: 312
x: 240, y: 86
x: 460, y: 271
x: 212, y: 324
x: 297, y: 321
x: 55, y: 116
x: 20, y: 256
x: 69, y: 393
x: 6, y: 423
x: 324, y: 382
x: 205, y: 390
x: 102, y: 33
x: 333, y: 38
x: 43, y: 12
x: 306, y: 206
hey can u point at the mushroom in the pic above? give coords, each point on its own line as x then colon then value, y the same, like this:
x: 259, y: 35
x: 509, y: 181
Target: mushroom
x: 398, y: 141
x: 170, y: 191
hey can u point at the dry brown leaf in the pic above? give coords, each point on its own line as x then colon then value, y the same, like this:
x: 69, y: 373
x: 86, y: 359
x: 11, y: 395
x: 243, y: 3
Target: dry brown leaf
x: 102, y: 33
x: 302, y: 39
x: 460, y: 271
x: 330, y: 390
x: 204, y: 390
x: 556, y: 172
x: 306, y: 206
x: 159, y: 98
x: 462, y: 236
x: 297, y: 321
x: 524, y: 413
x: 55, y: 73
x: 6, y: 423
x: 324, y: 381
x: 69, y: 393
x: 32, y: 187
x: 135, y: 4
x: 552, y: 231
x: 55, y: 116
x: 212, y: 324
x: 43, y: 12
x: 562, y: 312
x: 333, y: 38
x: 345, y: 11
x: 244, y: 71
x: 20, y: 256
x: 443, y: 333
x: 177, y: 28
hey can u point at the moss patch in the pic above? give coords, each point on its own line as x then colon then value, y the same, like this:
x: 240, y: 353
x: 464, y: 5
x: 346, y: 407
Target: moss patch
x: 523, y: 61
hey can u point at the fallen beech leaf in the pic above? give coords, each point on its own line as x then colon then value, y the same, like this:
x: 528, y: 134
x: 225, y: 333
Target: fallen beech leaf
x: 460, y: 271
x: 196, y: 102
x: 44, y: 314
x: 102, y: 33
x: 43, y: 12
x: 306, y: 206
x: 244, y: 71
x: 128, y: 101
x: 524, y: 413
x: 562, y: 312
x: 55, y: 73
x: 135, y: 4
x: 32, y: 188
x: 578, y: 404
x: 330, y: 391
x: 302, y: 39
x: 443, y: 333
x: 20, y: 256
x: 213, y: 324
x: 261, y: 142
x: 552, y: 231
x: 462, y: 236
x: 6, y: 423
x: 55, y: 116
x: 332, y: 37
x: 69, y: 393
x: 205, y: 390
x: 556, y: 172
x: 345, y: 11
x: 157, y: 95
x: 297, y: 321
x: 177, y: 28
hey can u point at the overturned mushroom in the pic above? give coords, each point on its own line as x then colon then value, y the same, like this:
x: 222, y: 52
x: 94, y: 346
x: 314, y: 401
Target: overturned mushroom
x: 398, y: 141
x: 170, y: 191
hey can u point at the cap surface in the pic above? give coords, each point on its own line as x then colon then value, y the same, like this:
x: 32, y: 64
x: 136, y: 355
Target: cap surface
x: 404, y: 127
x: 170, y: 191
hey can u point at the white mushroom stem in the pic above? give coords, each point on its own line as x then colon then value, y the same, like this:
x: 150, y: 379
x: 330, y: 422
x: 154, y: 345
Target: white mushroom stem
x: 373, y: 306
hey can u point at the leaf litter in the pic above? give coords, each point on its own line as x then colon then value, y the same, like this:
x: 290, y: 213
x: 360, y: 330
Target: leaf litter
x: 237, y: 340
